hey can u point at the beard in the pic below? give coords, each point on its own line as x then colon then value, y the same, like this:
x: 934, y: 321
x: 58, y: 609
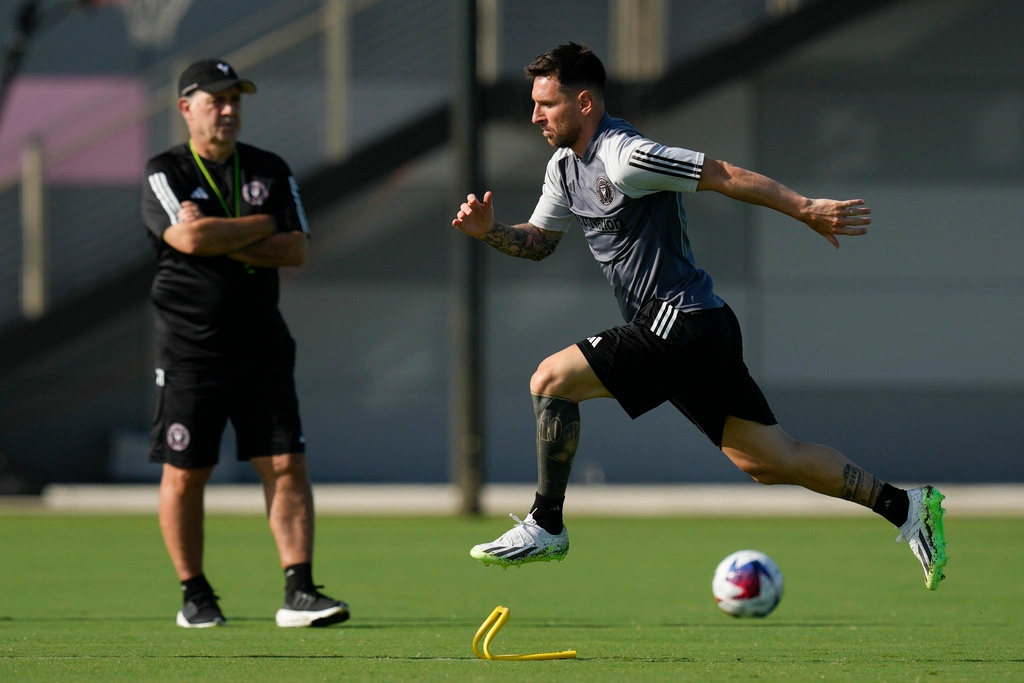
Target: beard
x: 565, y: 134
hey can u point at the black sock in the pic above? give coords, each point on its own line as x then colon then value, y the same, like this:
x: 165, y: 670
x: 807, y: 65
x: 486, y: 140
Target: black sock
x: 893, y: 504
x: 197, y: 585
x: 548, y: 513
x: 299, y: 577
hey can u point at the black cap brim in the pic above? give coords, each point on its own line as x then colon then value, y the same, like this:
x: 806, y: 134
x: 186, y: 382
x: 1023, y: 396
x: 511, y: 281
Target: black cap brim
x: 246, y: 86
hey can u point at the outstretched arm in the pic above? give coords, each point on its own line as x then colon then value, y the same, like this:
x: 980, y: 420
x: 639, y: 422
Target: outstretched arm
x: 476, y: 219
x: 827, y: 217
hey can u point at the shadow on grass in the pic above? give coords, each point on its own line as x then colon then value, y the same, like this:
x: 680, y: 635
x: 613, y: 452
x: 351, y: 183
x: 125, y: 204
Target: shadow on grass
x: 382, y: 623
x: 371, y: 658
x: 377, y: 623
x: 364, y: 623
x: 420, y: 658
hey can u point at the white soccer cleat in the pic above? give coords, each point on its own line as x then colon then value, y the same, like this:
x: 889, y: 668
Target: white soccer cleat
x: 526, y: 542
x: 925, y: 534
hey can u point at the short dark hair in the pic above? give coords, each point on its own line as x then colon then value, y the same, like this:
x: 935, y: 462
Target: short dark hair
x: 574, y: 65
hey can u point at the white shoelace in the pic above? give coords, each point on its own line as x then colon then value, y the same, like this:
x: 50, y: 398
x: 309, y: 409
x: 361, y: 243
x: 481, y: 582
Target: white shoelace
x: 520, y: 535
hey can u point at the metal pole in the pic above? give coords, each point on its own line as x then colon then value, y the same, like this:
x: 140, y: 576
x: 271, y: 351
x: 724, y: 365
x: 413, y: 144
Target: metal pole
x: 33, y: 233
x: 467, y: 396
x: 336, y: 82
x: 637, y: 37
x: 488, y: 51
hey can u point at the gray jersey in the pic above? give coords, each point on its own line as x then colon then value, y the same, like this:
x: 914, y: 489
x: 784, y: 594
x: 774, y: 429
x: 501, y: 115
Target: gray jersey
x: 625, y: 193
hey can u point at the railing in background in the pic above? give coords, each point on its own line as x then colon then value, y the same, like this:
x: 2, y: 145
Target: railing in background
x: 33, y: 232
x: 338, y: 73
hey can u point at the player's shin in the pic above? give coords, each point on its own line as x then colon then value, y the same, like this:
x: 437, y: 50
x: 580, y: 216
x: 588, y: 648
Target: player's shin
x: 558, y: 435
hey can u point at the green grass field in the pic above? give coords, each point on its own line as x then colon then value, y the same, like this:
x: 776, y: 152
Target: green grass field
x: 93, y: 598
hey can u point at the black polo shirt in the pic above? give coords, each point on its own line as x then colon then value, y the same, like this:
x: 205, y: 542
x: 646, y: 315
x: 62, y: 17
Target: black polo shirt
x: 213, y: 311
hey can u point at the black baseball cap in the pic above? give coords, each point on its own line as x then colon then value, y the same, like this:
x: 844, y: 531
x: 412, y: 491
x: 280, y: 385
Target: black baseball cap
x: 211, y: 75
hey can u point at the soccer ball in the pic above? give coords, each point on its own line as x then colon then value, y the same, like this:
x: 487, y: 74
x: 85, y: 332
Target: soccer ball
x: 747, y: 583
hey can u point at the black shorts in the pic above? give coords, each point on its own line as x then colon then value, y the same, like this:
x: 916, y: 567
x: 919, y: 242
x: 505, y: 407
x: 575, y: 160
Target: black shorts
x: 192, y: 409
x: 695, y: 361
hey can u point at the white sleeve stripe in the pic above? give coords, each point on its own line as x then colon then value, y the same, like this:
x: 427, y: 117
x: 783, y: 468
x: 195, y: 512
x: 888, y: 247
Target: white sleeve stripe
x: 298, y: 204
x: 162, y: 189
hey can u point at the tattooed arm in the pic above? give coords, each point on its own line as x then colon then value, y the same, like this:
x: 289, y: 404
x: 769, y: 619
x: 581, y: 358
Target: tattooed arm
x: 523, y: 240
x: 476, y: 218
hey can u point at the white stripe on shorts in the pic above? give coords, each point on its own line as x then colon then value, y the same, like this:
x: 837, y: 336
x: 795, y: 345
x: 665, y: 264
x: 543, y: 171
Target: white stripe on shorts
x: 663, y: 322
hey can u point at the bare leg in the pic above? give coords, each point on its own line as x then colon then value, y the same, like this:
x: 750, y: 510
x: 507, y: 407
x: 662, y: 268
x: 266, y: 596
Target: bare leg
x: 289, y: 498
x: 181, y: 517
x: 771, y: 456
x: 568, y: 375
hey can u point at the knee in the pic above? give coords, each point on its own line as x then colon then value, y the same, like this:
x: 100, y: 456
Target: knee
x: 761, y: 472
x: 758, y: 466
x: 764, y: 452
x: 547, y: 380
x: 184, y: 479
x: 292, y: 465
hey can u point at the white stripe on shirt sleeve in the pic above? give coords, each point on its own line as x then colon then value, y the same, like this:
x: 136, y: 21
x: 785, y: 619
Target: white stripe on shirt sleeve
x: 162, y: 189
x: 298, y: 204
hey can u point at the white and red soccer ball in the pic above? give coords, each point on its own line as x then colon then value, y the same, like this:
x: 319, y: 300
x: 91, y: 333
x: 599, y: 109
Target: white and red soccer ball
x: 747, y: 583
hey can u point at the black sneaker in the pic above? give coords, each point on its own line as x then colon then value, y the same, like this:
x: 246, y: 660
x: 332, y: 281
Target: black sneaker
x: 201, y: 611
x: 310, y: 608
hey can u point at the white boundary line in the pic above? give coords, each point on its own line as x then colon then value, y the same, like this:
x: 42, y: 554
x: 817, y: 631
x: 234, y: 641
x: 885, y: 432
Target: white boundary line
x: 708, y: 500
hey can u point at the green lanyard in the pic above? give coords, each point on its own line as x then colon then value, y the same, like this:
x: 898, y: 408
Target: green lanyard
x: 213, y: 185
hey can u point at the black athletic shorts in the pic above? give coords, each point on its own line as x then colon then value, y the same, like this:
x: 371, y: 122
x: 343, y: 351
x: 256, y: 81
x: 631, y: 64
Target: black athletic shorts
x: 192, y: 409
x: 694, y: 360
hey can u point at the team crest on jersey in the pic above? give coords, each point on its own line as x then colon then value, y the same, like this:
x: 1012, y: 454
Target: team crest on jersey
x: 178, y: 437
x: 255, y: 193
x: 605, y: 190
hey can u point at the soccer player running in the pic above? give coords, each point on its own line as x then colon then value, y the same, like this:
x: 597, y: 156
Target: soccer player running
x: 223, y: 216
x: 681, y: 342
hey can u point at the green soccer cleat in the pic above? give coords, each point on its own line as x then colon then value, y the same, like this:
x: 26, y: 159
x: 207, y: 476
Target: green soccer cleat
x: 925, y: 534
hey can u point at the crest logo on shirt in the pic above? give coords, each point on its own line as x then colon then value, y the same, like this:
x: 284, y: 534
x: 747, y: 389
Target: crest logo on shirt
x: 605, y: 190
x: 255, y: 193
x: 178, y: 437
